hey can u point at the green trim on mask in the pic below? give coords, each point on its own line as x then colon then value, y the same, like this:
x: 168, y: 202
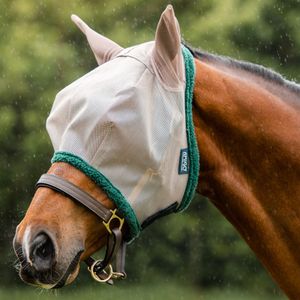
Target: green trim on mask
x: 190, y: 131
x: 112, y: 192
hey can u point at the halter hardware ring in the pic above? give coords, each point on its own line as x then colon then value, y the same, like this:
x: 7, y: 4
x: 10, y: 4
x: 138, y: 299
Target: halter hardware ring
x: 113, y: 216
x: 96, y: 277
x: 117, y: 275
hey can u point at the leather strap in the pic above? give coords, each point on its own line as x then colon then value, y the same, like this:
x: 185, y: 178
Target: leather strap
x: 120, y: 260
x: 116, y: 247
x: 69, y: 189
x: 113, y: 244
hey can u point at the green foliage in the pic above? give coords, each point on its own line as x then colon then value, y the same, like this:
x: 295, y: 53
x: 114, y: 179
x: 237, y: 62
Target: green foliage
x: 42, y: 52
x: 162, y: 290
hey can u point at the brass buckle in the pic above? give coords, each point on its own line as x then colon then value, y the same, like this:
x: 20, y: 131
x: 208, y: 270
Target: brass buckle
x: 113, y: 216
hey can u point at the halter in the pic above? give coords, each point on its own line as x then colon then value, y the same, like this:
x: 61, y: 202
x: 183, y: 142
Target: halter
x: 101, y: 270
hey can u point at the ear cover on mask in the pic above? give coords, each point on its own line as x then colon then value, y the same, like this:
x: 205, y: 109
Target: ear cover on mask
x: 167, y: 58
x: 103, y: 48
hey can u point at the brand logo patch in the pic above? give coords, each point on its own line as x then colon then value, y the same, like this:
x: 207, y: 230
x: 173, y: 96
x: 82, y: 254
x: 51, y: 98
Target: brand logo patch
x: 184, y: 162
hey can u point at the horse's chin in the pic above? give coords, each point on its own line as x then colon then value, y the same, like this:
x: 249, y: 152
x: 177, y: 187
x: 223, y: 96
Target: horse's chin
x: 68, y: 281
x: 73, y: 275
x: 46, y: 280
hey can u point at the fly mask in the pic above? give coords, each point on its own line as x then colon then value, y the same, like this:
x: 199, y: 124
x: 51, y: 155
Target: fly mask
x: 128, y: 124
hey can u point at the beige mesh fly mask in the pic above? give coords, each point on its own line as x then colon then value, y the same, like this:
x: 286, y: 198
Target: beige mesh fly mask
x: 128, y: 126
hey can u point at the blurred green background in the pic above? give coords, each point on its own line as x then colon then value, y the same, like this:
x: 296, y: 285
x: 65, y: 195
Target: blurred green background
x: 193, y: 255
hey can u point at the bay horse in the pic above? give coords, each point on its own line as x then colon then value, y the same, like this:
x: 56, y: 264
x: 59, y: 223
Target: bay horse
x: 247, y: 125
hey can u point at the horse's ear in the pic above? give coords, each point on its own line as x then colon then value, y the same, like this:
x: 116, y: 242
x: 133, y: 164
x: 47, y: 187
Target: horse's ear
x: 167, y: 56
x: 103, y: 48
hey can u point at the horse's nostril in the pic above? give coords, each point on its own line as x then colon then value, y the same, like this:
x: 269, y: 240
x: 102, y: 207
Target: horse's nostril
x: 45, y: 249
x: 42, y: 252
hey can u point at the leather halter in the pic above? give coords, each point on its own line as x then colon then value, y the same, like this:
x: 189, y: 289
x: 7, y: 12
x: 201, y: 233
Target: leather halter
x: 101, y: 270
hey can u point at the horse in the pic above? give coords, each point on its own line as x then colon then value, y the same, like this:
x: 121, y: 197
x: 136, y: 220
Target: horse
x: 246, y: 123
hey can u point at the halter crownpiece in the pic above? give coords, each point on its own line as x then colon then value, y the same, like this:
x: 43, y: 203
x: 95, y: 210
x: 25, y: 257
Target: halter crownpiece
x: 128, y: 126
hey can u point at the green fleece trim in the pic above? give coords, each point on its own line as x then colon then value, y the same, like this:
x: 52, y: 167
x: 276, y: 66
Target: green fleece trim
x: 112, y: 192
x: 190, y: 131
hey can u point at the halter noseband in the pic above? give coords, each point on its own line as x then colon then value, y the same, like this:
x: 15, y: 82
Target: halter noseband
x: 101, y: 270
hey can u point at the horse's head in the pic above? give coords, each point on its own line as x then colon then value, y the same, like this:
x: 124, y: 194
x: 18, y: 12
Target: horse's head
x: 57, y: 233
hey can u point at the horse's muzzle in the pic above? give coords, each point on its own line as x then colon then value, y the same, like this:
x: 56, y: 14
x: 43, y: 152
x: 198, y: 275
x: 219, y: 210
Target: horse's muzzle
x: 36, y: 259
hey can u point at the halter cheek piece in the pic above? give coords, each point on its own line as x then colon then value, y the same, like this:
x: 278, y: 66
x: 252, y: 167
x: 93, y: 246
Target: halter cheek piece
x: 101, y: 270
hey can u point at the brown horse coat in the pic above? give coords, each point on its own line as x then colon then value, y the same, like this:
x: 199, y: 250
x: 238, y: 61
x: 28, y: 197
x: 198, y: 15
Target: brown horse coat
x: 248, y: 132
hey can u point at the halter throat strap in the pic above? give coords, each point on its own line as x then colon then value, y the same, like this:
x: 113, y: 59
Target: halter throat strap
x: 101, y: 270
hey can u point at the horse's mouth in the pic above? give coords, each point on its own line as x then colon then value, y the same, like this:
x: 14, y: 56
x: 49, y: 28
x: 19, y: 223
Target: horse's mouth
x: 45, y: 280
x: 71, y: 272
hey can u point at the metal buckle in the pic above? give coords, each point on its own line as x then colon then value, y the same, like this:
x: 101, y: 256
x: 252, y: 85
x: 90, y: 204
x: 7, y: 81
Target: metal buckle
x: 109, y: 273
x: 113, y: 216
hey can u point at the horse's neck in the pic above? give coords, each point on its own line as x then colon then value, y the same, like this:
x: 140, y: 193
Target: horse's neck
x: 250, y: 165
